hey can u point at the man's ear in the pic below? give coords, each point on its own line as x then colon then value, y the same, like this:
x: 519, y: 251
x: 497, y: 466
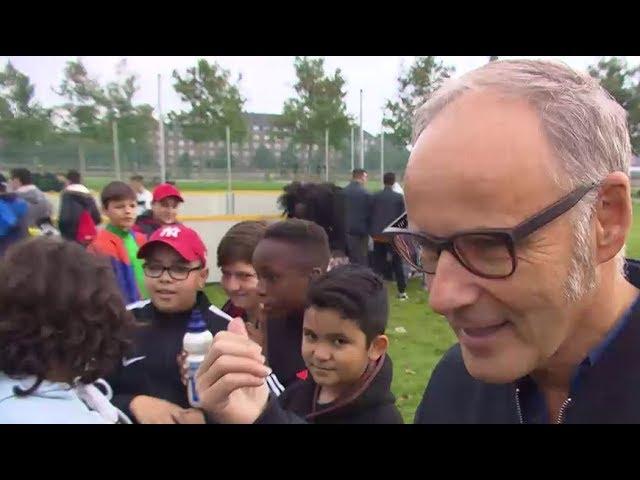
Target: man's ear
x: 378, y: 347
x: 613, y: 215
x: 202, y: 278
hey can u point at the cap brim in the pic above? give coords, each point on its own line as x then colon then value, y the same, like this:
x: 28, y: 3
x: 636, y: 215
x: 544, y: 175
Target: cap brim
x: 169, y: 196
x: 185, y: 253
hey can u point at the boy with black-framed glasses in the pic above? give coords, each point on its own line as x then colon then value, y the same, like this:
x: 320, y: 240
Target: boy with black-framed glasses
x: 148, y: 385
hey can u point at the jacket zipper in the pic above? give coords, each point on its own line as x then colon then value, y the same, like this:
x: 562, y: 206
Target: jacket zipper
x: 518, y: 406
x: 559, y: 420
x: 563, y: 410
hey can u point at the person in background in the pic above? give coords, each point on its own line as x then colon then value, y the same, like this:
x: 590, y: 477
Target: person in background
x: 166, y: 199
x: 79, y: 215
x: 118, y: 242
x: 62, y: 180
x: 239, y: 278
x: 322, y: 203
x: 143, y: 196
x: 358, y: 211
x: 40, y: 207
x: 13, y: 217
x: 387, y: 206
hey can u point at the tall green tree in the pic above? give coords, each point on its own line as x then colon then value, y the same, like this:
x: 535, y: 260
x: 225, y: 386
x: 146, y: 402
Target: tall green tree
x: 424, y: 76
x: 215, y: 102
x: 318, y: 104
x: 92, y: 107
x: 22, y: 119
x: 623, y: 83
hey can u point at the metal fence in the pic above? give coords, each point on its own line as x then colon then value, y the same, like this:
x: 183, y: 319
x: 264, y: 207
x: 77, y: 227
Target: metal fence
x: 256, y: 158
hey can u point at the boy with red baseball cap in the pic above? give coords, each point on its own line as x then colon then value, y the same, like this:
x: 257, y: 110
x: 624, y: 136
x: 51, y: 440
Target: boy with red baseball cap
x: 164, y: 209
x: 148, y: 385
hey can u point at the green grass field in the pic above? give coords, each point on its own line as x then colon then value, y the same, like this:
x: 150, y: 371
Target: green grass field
x: 417, y: 351
x: 97, y: 183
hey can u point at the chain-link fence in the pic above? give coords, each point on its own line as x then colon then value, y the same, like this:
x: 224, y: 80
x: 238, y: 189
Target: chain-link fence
x: 267, y: 153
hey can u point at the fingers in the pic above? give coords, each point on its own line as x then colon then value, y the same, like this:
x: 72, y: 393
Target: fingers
x: 237, y: 326
x: 229, y: 343
x: 219, y: 392
x: 226, y: 364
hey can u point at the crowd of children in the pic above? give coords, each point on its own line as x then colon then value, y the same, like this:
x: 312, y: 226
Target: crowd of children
x: 315, y: 336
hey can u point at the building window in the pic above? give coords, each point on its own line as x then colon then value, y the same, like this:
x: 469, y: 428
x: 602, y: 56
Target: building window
x: 192, y: 152
x: 211, y: 144
x: 256, y: 138
x: 315, y: 148
x: 181, y: 143
x: 181, y: 152
x: 256, y: 128
x: 267, y: 138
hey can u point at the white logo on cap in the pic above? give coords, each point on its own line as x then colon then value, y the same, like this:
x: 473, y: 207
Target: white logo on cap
x: 170, y: 232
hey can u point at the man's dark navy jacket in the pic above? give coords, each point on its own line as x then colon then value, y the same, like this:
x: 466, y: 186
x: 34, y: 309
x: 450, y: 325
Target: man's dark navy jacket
x: 608, y: 390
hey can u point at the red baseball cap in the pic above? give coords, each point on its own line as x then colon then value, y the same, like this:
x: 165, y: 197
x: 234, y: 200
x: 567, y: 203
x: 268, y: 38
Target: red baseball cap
x: 165, y: 190
x: 182, y: 239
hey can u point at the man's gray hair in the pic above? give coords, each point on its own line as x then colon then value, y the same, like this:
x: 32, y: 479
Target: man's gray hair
x: 585, y: 126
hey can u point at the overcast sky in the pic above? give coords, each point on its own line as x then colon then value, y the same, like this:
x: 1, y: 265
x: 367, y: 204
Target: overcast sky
x: 266, y: 81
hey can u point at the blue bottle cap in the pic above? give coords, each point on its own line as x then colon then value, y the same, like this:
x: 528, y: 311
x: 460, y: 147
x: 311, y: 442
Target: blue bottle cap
x: 196, y: 322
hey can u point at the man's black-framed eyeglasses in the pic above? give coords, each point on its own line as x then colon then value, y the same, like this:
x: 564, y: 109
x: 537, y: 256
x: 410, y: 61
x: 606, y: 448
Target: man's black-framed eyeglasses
x: 177, y: 272
x: 486, y: 252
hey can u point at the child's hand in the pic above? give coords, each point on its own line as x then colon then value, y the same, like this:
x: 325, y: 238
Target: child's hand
x: 231, y: 380
x: 191, y: 416
x: 151, y: 410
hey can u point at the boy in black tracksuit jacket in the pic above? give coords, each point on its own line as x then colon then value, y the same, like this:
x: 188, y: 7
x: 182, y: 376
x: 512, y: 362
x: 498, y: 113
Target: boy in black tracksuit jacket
x: 150, y: 368
x: 147, y: 385
x: 344, y: 348
x: 290, y: 254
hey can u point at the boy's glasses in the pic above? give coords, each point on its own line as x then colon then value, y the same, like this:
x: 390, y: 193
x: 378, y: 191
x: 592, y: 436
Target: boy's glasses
x: 177, y: 272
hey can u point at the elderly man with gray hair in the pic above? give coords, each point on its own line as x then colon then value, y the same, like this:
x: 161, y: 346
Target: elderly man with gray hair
x: 518, y: 207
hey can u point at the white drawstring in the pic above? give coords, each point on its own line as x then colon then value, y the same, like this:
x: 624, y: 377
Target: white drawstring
x: 98, y: 401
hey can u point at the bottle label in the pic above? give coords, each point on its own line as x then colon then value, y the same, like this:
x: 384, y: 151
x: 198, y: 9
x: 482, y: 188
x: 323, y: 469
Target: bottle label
x: 192, y: 368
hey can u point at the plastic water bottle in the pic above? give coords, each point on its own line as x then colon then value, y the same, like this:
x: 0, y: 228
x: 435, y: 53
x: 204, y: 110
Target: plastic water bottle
x: 196, y: 343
